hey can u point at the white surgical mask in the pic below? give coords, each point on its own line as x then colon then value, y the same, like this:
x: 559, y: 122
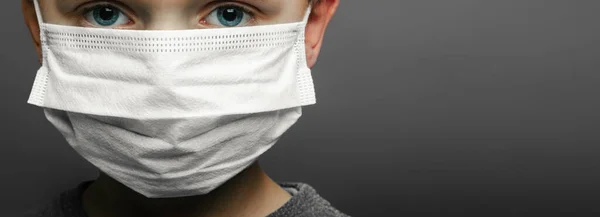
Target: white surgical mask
x: 172, y: 113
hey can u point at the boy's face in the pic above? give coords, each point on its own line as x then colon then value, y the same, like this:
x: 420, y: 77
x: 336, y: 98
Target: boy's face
x: 172, y: 14
x: 183, y: 14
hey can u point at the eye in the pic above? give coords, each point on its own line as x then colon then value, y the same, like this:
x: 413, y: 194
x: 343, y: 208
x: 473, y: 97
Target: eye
x: 106, y: 16
x: 228, y: 16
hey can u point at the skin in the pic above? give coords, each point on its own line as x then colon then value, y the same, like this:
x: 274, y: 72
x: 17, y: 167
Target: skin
x: 251, y: 193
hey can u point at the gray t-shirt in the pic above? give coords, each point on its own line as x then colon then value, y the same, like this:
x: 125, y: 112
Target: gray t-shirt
x: 305, y: 202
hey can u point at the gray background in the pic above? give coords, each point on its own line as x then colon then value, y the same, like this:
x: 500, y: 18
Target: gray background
x: 425, y: 108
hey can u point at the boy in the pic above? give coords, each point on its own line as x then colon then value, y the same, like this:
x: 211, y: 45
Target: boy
x: 175, y: 119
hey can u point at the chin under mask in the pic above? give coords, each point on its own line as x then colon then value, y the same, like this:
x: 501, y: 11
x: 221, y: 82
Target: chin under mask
x: 172, y: 113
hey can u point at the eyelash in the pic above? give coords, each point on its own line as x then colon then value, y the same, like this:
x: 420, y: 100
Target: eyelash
x: 95, y: 3
x: 245, y: 8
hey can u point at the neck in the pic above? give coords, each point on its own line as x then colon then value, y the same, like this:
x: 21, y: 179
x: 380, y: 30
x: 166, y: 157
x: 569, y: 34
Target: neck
x: 248, y: 194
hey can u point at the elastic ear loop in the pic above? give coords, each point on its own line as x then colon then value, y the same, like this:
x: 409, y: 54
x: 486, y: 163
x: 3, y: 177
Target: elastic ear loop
x: 307, y: 13
x: 38, y: 14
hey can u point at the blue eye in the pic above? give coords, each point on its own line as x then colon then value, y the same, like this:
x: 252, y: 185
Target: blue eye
x: 106, y: 16
x: 228, y: 16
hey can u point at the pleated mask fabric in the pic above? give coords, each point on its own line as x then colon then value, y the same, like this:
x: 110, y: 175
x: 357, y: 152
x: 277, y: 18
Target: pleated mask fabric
x: 172, y: 113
